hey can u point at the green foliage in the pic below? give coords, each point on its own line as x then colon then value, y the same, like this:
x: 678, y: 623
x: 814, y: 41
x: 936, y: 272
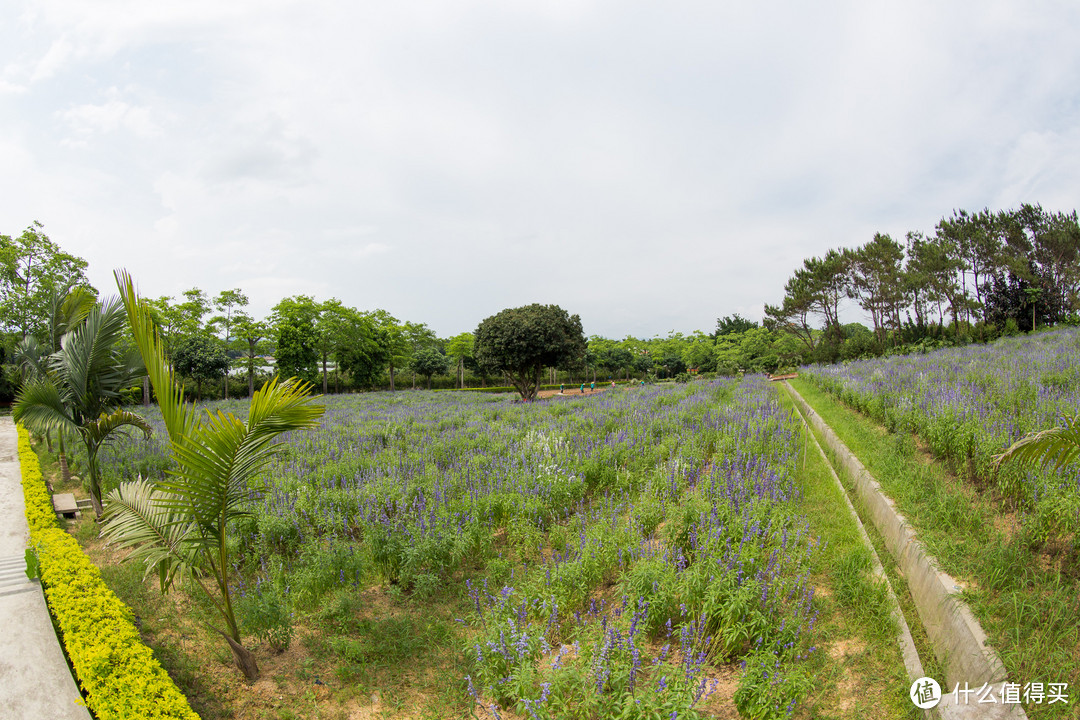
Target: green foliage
x: 33, y: 565
x: 277, y: 535
x: 180, y: 528
x: 1058, y: 447
x: 251, y: 336
x: 296, y: 352
x: 771, y: 684
x: 265, y: 614
x: 200, y: 358
x: 756, y: 350
x: 32, y: 270
x: 429, y: 361
x: 520, y: 342
x: 364, y: 351
x: 82, y: 391
x: 733, y: 325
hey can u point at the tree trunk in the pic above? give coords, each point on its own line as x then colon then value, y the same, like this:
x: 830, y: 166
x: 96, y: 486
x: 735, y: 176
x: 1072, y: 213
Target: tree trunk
x: 244, y: 659
x: 65, y: 471
x: 95, y: 482
x: 98, y: 509
x: 146, y: 390
x: 391, y: 377
x: 324, y: 374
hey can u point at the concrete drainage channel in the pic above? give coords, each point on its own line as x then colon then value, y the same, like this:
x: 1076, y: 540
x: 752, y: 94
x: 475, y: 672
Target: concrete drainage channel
x: 958, y: 640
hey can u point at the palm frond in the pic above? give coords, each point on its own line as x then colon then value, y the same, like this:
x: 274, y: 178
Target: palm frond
x: 41, y: 407
x: 136, y: 517
x: 70, y: 311
x: 98, y: 430
x: 1057, y: 446
x: 177, y: 416
x: 90, y: 362
x: 218, y: 466
x: 31, y: 358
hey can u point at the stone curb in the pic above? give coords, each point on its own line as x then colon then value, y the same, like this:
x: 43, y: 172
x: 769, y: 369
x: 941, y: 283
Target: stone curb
x: 957, y: 638
x: 912, y: 662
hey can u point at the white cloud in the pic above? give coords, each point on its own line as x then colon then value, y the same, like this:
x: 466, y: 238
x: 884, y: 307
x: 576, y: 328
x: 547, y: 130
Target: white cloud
x: 111, y: 116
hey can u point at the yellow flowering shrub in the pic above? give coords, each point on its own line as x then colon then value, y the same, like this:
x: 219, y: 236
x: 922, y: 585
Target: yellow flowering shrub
x: 117, y: 672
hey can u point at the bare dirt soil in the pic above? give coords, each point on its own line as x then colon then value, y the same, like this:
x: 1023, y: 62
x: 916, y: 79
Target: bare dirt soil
x: 573, y: 391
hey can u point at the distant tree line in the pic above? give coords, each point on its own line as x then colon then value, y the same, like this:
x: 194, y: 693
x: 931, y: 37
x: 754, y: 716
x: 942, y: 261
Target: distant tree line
x: 979, y: 275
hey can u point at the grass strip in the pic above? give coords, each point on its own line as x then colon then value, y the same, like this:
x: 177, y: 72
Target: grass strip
x: 868, y: 670
x: 1029, y: 612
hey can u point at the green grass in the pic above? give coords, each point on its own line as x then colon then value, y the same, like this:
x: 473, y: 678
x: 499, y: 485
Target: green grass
x: 1026, y: 599
x: 870, y: 679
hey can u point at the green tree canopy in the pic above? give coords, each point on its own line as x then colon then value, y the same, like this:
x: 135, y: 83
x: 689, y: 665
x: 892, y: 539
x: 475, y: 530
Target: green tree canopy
x: 461, y: 348
x: 521, y: 342
x: 297, y: 342
x: 730, y: 324
x: 200, y: 358
x: 365, y: 351
x: 429, y: 361
x: 32, y: 269
x: 251, y: 337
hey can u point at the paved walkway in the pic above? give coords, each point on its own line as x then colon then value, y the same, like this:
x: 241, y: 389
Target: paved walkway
x: 35, y: 681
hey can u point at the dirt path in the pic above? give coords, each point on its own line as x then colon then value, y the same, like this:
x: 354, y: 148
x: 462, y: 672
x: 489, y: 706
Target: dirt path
x: 573, y: 391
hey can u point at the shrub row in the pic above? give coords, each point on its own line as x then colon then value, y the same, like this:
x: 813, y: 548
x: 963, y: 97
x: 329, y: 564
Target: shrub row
x: 118, y: 673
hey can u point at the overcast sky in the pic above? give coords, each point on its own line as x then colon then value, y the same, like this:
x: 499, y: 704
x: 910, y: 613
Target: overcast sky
x: 649, y: 166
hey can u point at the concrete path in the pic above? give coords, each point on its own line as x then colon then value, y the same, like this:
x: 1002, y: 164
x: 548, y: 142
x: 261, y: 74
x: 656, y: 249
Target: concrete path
x: 35, y: 680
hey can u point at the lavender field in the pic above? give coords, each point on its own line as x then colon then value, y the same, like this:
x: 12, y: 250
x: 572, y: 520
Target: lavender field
x: 641, y: 553
x: 969, y: 404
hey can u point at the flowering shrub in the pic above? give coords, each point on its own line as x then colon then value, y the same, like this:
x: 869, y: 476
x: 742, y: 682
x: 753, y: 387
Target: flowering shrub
x: 117, y: 672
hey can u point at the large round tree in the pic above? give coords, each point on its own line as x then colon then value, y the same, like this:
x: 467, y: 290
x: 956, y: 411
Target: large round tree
x: 521, y: 342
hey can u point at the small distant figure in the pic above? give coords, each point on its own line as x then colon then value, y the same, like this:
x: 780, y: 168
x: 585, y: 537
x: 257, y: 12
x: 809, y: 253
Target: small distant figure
x: 643, y: 382
x: 612, y: 383
x: 561, y: 388
x: 582, y: 388
x: 592, y: 386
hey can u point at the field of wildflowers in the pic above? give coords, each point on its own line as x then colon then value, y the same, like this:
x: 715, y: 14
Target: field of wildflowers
x: 625, y: 555
x: 970, y: 403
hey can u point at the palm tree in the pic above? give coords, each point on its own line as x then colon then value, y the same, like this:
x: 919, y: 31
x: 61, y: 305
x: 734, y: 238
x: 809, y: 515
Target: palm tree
x: 68, y: 308
x: 79, y: 390
x: 179, y: 526
x: 1057, y: 446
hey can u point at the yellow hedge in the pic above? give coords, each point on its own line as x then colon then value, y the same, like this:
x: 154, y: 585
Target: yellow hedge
x: 117, y: 671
